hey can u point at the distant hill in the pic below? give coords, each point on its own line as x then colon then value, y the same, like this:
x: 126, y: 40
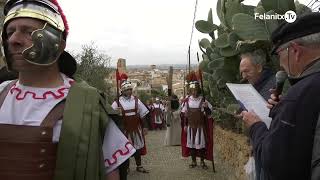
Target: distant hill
x: 160, y: 66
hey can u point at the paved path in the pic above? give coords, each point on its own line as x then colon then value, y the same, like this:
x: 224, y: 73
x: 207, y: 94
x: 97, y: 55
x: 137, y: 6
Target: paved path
x: 165, y: 163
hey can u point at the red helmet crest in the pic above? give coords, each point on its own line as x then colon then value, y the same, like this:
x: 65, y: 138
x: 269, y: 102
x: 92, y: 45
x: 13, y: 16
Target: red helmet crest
x: 64, y: 19
x: 192, y: 76
x: 123, y: 77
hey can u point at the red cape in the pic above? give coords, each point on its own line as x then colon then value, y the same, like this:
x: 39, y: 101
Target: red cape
x: 144, y: 149
x: 209, y: 144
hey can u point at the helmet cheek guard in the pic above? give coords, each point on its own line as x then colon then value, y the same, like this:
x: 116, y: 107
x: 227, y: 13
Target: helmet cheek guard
x: 48, y: 42
x: 46, y: 47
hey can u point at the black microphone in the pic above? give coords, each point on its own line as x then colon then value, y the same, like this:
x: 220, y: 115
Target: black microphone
x: 281, y: 77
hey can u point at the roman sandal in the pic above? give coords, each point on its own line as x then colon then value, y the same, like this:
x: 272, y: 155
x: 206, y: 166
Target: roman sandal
x: 142, y: 169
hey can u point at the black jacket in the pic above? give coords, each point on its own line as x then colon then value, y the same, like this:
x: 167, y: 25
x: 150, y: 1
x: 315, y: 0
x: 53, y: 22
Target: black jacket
x: 265, y: 82
x: 285, y: 150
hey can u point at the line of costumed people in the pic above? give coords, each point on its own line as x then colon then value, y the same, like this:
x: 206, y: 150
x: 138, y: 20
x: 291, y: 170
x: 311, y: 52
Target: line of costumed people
x: 197, y: 124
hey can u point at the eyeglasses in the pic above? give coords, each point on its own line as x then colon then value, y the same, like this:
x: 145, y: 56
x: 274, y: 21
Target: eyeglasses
x: 281, y: 49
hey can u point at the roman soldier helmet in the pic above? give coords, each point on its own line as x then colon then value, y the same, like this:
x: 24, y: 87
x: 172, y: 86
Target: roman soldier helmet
x: 193, y: 80
x: 125, y: 84
x: 47, y: 41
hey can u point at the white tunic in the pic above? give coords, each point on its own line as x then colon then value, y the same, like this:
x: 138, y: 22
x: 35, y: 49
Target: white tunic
x: 195, y: 103
x: 129, y: 104
x: 29, y: 106
x: 158, y: 119
x: 173, y: 133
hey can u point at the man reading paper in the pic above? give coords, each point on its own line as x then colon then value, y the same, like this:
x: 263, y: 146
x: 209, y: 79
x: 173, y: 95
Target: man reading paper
x: 290, y: 148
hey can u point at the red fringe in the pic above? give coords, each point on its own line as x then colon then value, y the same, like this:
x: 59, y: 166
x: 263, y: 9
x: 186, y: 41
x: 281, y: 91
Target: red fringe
x: 123, y: 76
x: 192, y: 76
x: 65, y: 22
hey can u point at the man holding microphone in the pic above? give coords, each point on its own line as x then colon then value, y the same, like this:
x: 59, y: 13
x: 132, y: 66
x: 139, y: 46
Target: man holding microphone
x: 290, y: 148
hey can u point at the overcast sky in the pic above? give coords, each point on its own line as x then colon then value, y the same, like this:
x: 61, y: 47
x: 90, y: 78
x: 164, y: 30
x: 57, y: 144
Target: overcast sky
x: 141, y: 31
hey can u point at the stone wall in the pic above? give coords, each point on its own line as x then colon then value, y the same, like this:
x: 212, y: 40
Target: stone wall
x: 232, y: 150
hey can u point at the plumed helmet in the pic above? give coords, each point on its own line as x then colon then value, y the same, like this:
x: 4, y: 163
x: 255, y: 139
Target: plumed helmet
x: 46, y: 10
x: 48, y: 40
x: 193, y: 80
x: 124, y: 83
x: 194, y: 85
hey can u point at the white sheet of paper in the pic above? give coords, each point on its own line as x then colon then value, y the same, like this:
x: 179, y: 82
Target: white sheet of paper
x: 251, y: 99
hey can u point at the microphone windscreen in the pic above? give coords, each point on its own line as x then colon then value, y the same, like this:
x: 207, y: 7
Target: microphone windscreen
x: 281, y: 77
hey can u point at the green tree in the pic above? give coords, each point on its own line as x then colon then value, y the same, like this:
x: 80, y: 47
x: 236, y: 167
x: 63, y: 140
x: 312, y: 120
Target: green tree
x: 144, y: 97
x: 158, y: 93
x: 94, y: 67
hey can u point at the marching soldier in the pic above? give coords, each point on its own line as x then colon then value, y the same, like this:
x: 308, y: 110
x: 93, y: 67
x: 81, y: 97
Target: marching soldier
x: 133, y: 112
x: 196, y: 112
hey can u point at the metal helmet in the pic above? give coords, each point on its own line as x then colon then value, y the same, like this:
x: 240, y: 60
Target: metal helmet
x: 125, y: 85
x: 45, y: 49
x: 194, y: 85
x: 193, y: 80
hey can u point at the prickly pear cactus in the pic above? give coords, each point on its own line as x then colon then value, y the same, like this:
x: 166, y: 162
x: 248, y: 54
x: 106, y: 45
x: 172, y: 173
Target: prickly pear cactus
x: 239, y: 31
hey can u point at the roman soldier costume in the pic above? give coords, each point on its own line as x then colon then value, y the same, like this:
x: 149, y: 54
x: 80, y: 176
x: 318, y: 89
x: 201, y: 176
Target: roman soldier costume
x: 133, y: 112
x: 52, y: 133
x: 157, y: 114
x: 197, y: 125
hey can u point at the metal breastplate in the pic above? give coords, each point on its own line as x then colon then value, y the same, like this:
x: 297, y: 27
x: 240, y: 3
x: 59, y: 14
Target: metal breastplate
x: 131, y: 123
x: 195, y: 118
x: 158, y: 111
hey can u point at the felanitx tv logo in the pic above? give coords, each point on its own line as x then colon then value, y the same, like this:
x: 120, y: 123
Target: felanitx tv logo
x: 289, y: 16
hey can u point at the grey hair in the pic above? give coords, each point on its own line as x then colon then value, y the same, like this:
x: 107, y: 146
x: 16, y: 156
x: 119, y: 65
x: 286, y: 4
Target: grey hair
x: 309, y: 40
x: 256, y: 57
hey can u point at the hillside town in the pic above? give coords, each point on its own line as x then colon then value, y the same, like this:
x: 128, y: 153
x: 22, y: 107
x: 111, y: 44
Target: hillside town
x: 148, y: 79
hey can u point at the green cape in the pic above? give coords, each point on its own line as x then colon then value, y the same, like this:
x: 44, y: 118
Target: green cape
x: 85, y: 118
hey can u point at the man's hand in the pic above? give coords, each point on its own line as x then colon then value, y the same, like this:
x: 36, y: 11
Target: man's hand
x: 273, y: 99
x: 205, y: 104
x: 249, y: 118
x: 119, y: 110
x: 185, y: 128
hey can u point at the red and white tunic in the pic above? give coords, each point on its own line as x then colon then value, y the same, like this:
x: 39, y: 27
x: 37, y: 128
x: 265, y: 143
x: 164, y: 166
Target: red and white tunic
x: 26, y: 105
x: 130, y: 104
x: 196, y: 141
x: 158, y: 113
